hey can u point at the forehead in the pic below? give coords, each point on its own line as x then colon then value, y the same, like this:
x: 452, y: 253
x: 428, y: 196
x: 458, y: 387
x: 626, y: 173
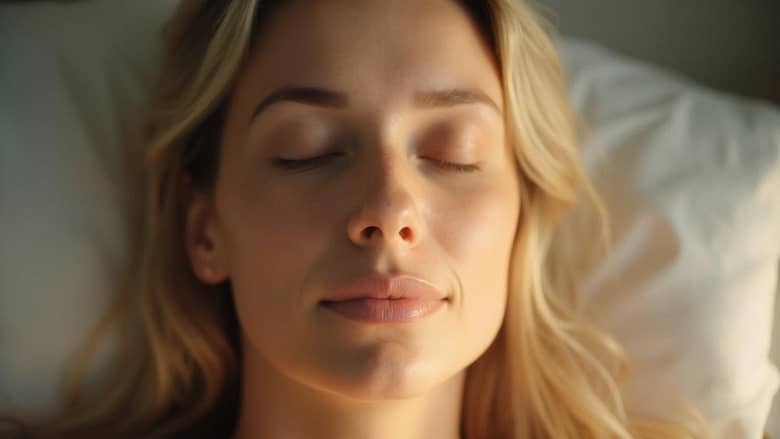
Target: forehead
x: 371, y: 49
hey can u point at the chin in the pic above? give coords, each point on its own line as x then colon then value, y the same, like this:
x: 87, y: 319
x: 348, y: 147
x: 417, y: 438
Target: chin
x: 387, y: 372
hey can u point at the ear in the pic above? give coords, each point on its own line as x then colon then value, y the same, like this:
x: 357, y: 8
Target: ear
x: 205, y: 248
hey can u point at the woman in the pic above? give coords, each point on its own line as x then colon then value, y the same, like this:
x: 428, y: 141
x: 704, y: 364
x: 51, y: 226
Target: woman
x: 350, y: 214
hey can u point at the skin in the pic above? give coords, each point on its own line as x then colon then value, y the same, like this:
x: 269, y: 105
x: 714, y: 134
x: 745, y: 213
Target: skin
x: 285, y: 238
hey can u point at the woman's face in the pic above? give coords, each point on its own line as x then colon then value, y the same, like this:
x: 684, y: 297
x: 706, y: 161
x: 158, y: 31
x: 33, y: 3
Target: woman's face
x: 386, y: 91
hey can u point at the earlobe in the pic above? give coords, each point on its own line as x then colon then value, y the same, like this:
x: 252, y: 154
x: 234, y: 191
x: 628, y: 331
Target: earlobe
x: 211, y: 275
x: 202, y: 241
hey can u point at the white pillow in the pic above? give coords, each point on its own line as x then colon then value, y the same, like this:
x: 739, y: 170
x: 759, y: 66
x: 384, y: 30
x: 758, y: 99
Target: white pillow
x: 73, y: 78
x: 773, y: 426
x: 692, y: 180
x: 79, y: 72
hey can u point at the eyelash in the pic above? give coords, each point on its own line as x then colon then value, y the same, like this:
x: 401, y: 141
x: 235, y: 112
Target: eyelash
x: 313, y: 162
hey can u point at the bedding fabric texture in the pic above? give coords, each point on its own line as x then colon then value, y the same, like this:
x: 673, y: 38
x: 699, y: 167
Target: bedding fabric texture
x: 691, y: 178
x: 773, y: 425
x: 72, y: 83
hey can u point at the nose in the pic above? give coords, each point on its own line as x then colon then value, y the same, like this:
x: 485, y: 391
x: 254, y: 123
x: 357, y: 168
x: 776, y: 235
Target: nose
x: 389, y: 214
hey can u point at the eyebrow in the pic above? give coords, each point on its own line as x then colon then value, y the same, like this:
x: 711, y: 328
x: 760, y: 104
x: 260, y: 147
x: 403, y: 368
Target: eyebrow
x: 322, y: 97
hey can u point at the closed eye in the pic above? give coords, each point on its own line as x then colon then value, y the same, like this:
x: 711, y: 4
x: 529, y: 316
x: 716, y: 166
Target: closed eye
x: 316, y: 161
x: 305, y: 163
x: 455, y: 167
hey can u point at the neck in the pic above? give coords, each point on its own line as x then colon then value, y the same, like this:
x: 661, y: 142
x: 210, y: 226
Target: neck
x: 276, y: 406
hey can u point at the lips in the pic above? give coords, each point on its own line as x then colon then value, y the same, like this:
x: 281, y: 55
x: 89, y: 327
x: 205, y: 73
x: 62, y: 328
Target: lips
x: 385, y: 299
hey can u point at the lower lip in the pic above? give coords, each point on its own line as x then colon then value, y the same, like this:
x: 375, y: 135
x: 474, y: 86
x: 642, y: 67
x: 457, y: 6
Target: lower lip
x: 384, y: 310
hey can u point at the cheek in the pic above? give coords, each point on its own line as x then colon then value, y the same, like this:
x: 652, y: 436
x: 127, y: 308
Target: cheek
x: 478, y: 228
x: 268, y: 221
x: 271, y: 243
x: 478, y: 236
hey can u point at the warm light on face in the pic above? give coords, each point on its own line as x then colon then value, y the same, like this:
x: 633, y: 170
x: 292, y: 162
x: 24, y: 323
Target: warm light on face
x: 360, y: 140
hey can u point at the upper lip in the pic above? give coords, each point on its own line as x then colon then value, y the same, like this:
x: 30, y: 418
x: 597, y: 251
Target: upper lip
x: 378, y: 286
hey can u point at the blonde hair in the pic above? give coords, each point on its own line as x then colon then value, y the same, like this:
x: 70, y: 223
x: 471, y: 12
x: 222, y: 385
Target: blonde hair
x: 548, y: 374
